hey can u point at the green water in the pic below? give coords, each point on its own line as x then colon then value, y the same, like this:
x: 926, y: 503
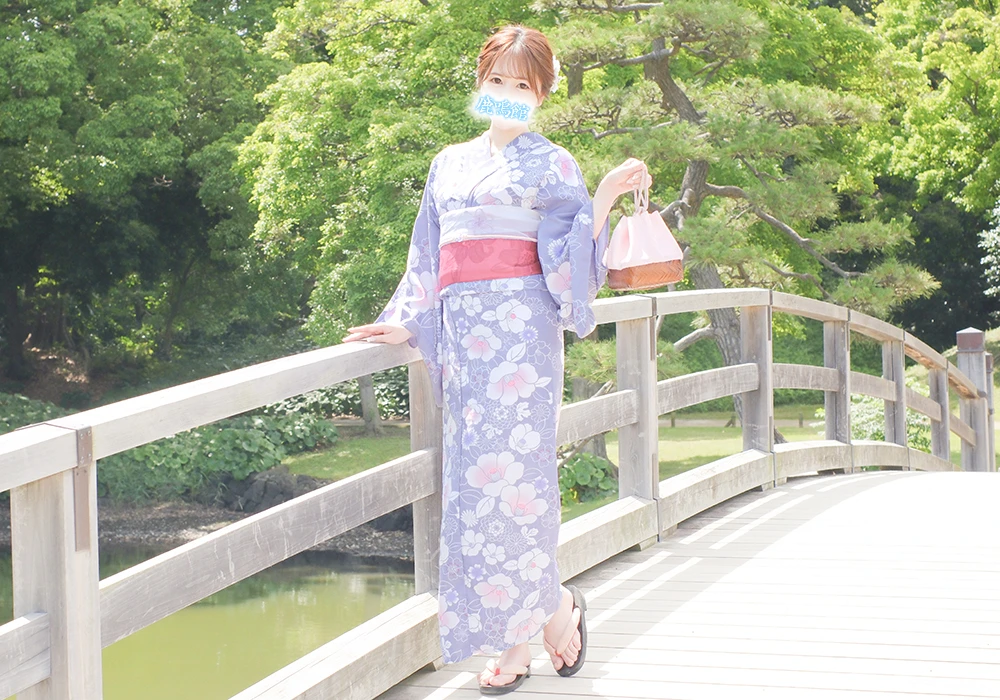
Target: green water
x: 216, y: 648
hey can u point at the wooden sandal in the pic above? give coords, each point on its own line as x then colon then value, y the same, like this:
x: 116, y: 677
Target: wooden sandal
x: 521, y: 672
x: 579, y: 608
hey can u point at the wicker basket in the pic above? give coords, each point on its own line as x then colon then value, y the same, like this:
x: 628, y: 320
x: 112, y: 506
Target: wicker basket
x: 648, y: 276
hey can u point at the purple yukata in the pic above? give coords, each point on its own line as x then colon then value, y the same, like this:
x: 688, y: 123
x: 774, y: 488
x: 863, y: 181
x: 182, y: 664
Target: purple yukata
x: 493, y: 345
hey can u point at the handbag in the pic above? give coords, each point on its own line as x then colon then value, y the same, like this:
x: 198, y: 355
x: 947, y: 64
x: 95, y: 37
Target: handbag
x: 643, y: 253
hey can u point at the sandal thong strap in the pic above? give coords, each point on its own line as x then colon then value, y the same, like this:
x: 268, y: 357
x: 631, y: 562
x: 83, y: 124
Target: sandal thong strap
x: 567, y: 635
x: 508, y: 670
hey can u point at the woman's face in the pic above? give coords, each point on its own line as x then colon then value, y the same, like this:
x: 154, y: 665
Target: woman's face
x: 503, y: 82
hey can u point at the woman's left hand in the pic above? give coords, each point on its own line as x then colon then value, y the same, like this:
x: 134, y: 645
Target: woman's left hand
x: 630, y: 175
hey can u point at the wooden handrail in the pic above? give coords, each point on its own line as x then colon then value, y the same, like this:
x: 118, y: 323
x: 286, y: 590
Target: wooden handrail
x: 50, y: 469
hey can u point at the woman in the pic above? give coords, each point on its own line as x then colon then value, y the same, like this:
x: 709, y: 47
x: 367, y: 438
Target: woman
x: 507, y: 252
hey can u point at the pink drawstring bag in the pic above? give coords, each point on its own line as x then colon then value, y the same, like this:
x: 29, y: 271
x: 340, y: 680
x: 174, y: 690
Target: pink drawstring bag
x: 643, y: 254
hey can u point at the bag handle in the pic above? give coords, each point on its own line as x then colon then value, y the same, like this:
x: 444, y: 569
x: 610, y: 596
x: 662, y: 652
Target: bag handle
x: 641, y: 198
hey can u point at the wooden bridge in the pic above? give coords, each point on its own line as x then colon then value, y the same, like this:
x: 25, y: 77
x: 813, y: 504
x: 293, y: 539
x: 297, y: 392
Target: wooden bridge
x: 808, y: 570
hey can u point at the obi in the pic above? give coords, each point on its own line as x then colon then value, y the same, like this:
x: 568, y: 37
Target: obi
x: 488, y: 242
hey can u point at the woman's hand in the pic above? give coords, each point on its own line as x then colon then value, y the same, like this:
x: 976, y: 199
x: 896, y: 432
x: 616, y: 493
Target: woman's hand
x: 379, y: 333
x: 630, y: 175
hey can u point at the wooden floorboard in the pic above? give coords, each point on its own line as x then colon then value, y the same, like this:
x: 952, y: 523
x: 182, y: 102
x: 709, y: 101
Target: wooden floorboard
x: 881, y: 585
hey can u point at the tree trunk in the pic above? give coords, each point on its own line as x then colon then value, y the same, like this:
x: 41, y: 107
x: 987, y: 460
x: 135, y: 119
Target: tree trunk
x: 369, y: 406
x: 15, y: 331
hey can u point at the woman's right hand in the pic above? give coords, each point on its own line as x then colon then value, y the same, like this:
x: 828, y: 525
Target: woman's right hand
x: 379, y: 333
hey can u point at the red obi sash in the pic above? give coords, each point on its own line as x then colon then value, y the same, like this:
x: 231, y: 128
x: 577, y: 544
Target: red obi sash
x: 486, y: 259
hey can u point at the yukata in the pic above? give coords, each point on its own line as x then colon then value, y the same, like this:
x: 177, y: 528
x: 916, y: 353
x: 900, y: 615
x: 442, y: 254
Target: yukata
x: 502, y: 260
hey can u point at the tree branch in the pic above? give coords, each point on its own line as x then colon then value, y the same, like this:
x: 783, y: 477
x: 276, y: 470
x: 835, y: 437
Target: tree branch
x: 801, y: 276
x: 693, y: 337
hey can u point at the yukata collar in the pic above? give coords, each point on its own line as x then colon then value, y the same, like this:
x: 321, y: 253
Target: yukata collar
x: 484, y: 138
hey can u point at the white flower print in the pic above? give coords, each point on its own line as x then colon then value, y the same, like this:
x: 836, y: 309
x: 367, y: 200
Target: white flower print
x: 509, y: 380
x: 522, y: 410
x: 480, y: 343
x: 558, y: 283
x: 523, y: 438
x: 507, y: 284
x: 447, y: 619
x: 475, y: 623
x: 493, y: 553
x: 530, y: 564
x: 512, y: 314
x: 473, y: 412
x: 469, y: 518
x: 471, y: 304
x: 450, y: 429
x: 523, y: 625
x: 472, y: 542
x: 498, y: 591
x: 519, y: 503
x: 493, y: 472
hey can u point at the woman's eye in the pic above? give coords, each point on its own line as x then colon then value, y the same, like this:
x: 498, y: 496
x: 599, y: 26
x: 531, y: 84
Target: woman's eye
x: 524, y: 86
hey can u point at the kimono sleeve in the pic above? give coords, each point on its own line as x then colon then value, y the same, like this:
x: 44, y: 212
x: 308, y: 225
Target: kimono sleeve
x: 572, y: 259
x: 416, y: 304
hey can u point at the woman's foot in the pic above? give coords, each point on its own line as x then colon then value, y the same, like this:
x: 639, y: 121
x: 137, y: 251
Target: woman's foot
x: 556, y: 628
x: 519, y: 655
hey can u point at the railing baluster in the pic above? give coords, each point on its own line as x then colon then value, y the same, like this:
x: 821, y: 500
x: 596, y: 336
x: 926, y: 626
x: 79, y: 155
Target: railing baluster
x: 55, y: 566
x: 893, y: 366
x: 837, y: 404
x: 940, y: 430
x: 972, y: 363
x: 758, y: 405
x: 990, y: 420
x: 426, y: 432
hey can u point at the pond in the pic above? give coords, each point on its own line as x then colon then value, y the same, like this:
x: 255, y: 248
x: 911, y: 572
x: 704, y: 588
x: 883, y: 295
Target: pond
x: 216, y: 648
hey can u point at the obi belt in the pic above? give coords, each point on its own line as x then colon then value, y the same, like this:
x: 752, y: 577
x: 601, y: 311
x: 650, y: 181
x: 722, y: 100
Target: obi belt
x: 486, y: 242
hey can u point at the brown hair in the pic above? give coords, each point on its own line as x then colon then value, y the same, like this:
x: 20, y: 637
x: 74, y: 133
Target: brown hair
x: 529, y: 55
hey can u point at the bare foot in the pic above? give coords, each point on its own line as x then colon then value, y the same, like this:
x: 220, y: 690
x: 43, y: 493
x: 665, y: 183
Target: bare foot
x: 555, y: 629
x: 519, y: 655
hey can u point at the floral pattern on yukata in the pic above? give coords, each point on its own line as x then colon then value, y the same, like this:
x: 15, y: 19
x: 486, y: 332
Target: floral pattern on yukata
x: 494, y: 351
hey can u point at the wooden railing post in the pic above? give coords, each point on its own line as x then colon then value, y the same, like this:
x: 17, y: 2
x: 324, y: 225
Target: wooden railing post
x: 893, y: 366
x: 837, y: 404
x: 55, y: 566
x: 990, y: 419
x: 426, y: 432
x: 638, y: 443
x: 758, y: 405
x: 940, y: 430
x: 972, y: 363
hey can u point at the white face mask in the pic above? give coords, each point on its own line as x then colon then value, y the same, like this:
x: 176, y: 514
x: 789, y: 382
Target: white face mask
x: 504, y: 111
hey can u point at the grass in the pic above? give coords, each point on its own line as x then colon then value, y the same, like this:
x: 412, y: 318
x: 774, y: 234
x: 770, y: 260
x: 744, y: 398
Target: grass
x: 354, y: 452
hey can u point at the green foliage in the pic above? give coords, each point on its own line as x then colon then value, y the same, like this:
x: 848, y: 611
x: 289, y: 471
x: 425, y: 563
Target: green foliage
x: 179, y: 466
x: 17, y: 411
x: 868, y: 419
x: 587, y: 477
x: 344, y: 399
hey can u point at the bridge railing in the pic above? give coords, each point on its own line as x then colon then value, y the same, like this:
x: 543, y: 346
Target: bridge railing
x: 64, y: 615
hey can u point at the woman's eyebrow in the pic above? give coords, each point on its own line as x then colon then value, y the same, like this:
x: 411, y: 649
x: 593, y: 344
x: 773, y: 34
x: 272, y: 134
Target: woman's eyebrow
x: 507, y: 76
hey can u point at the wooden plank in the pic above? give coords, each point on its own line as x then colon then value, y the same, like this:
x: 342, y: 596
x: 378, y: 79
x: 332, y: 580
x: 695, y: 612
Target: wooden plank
x: 698, y: 387
x: 922, y: 461
x: 923, y: 353
x: 689, y: 493
x: 837, y: 403
x: 638, y: 441
x: 870, y: 385
x: 793, y: 458
x: 150, y: 591
x: 51, y: 575
x: 875, y: 453
x: 596, y: 415
x: 895, y: 407
x: 363, y: 662
x: 809, y: 308
x: 35, y: 452
x: 136, y: 421
x: 874, y: 328
x: 937, y: 379
x: 922, y: 404
x: 962, y: 429
x: 24, y: 650
x: 975, y: 410
x: 758, y: 404
x: 591, y: 538
x: 704, y: 299
x: 788, y: 376
x: 426, y: 433
x: 624, y: 308
x: 961, y: 383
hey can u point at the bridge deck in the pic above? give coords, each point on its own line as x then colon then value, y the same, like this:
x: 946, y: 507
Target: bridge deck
x: 874, y: 585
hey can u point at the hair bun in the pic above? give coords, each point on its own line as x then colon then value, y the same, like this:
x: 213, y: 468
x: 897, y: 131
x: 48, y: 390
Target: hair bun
x: 555, y: 80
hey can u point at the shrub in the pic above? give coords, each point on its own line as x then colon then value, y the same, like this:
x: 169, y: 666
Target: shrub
x: 587, y: 477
